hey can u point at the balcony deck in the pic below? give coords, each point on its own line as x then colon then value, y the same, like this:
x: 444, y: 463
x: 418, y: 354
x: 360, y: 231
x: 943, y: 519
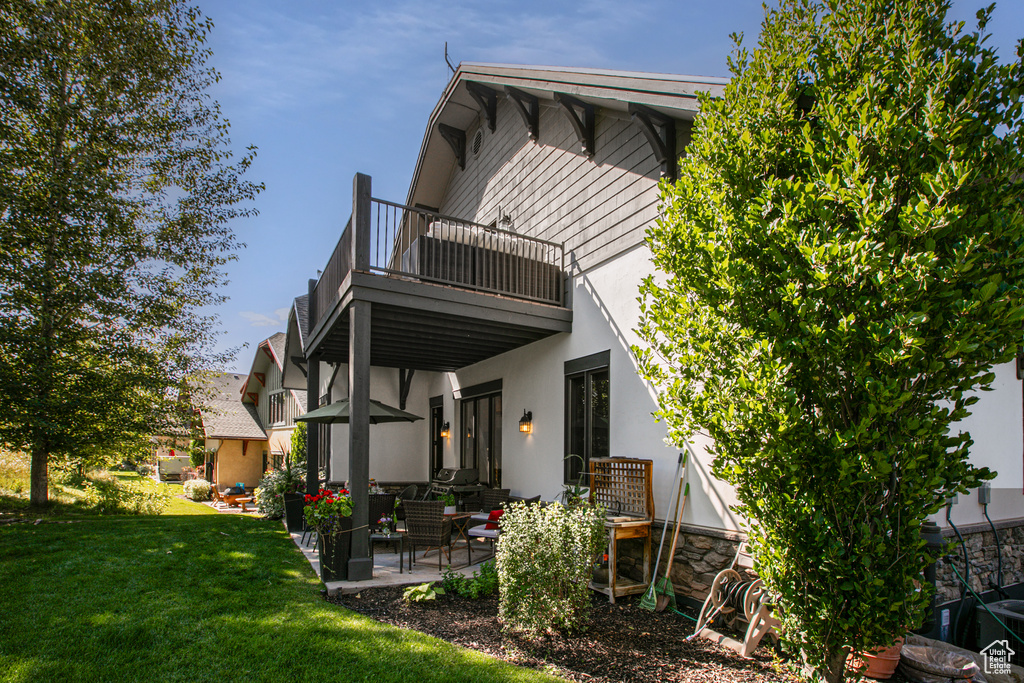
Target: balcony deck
x: 445, y: 293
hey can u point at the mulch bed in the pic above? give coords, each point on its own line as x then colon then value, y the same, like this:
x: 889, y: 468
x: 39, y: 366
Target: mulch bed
x: 621, y: 642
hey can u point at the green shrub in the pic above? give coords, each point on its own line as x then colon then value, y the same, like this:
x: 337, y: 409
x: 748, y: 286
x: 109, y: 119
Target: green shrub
x: 107, y: 495
x: 14, y: 471
x: 144, y: 470
x: 479, y: 585
x: 544, y: 563
x: 275, y: 483
x: 425, y: 592
x: 196, y: 489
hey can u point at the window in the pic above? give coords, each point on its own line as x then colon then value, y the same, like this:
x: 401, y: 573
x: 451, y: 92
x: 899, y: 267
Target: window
x: 276, y: 408
x: 480, y: 431
x: 587, y: 404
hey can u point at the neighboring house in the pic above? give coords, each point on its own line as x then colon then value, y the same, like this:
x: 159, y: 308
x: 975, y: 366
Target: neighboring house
x: 276, y: 406
x: 170, y: 456
x: 506, y: 285
x: 235, y: 439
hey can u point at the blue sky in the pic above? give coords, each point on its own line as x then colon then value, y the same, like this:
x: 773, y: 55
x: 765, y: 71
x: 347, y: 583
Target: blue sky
x: 328, y: 89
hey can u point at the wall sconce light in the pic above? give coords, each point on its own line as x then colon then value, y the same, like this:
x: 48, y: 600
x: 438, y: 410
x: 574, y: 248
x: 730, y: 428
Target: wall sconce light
x: 526, y: 422
x: 446, y: 430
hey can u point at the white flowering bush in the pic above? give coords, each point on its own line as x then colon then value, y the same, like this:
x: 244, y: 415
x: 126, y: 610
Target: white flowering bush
x: 545, y: 558
x: 196, y: 489
x: 275, y: 483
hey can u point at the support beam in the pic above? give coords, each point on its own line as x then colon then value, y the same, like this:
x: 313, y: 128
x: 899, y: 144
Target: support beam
x: 456, y: 138
x: 312, y: 403
x: 360, y: 566
x: 300, y: 363
x: 660, y: 131
x: 404, y: 384
x: 583, y: 117
x: 528, y: 107
x: 360, y: 256
x: 487, y: 99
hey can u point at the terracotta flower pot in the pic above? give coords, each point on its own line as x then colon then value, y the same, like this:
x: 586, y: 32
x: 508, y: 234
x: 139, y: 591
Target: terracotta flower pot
x: 879, y: 664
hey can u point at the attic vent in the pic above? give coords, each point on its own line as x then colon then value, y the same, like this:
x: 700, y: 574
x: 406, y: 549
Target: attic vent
x: 478, y: 141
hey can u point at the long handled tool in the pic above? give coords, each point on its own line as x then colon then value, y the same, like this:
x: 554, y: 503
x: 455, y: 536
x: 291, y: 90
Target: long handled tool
x: 666, y: 591
x: 648, y: 601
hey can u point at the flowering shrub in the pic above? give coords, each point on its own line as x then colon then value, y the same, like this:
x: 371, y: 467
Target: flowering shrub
x: 196, y: 489
x: 545, y: 558
x: 325, y: 510
x: 275, y: 483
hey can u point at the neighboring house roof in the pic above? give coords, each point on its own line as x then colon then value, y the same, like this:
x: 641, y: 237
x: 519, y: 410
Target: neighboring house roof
x: 223, y: 413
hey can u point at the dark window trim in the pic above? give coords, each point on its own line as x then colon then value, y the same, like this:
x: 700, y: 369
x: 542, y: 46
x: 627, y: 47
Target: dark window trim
x: 437, y: 401
x: 594, y: 361
x: 574, y: 368
x: 477, y: 390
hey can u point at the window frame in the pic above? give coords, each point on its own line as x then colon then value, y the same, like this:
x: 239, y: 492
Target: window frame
x: 585, y: 367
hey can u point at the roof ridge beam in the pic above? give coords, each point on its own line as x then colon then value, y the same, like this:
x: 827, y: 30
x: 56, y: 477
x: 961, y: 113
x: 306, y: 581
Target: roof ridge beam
x: 583, y: 122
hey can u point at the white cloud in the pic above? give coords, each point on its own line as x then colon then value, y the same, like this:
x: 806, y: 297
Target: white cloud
x: 263, y: 320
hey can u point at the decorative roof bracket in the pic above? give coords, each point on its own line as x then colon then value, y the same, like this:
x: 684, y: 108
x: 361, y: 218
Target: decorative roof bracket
x: 528, y: 107
x: 300, y: 363
x: 585, y: 125
x: 660, y: 131
x: 487, y: 99
x: 457, y: 139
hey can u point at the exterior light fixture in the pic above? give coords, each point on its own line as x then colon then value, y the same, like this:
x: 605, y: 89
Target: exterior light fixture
x: 446, y: 430
x: 526, y: 422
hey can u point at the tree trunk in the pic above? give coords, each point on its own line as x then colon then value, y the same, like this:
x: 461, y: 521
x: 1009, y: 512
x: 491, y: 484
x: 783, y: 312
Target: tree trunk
x: 835, y: 666
x: 39, y: 494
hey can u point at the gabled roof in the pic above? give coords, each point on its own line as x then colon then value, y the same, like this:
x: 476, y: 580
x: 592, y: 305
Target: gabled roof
x: 671, y: 95
x: 294, y: 347
x: 223, y: 414
x: 269, y: 350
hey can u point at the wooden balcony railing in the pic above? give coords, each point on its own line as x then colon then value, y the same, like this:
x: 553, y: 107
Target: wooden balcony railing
x: 394, y: 240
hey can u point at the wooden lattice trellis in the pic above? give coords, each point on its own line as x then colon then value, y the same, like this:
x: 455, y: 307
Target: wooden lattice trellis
x: 623, y: 487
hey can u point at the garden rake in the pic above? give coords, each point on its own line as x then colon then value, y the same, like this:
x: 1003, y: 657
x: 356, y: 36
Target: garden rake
x: 651, y: 597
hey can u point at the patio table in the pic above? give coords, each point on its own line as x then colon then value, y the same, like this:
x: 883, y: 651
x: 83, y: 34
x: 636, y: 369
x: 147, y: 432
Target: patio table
x: 397, y: 539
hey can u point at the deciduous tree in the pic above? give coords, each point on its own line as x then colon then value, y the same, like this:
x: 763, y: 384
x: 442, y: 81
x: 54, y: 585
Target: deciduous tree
x: 117, y: 188
x: 841, y: 261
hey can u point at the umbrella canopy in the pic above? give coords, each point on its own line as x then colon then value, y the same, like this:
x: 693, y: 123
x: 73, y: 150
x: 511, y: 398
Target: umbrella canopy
x: 337, y: 413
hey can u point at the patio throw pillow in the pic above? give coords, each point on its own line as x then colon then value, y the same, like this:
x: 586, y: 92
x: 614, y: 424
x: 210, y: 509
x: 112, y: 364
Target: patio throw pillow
x: 492, y: 519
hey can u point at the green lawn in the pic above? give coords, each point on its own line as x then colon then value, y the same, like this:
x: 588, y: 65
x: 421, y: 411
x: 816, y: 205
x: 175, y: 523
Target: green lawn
x: 195, y: 597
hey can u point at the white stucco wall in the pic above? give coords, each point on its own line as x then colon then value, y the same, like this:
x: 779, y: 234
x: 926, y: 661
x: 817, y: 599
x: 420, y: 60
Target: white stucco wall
x: 997, y: 428
x: 605, y: 310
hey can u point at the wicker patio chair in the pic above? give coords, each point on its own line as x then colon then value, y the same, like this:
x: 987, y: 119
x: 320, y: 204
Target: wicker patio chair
x: 427, y: 526
x: 380, y: 504
x: 492, y: 499
x: 408, y: 493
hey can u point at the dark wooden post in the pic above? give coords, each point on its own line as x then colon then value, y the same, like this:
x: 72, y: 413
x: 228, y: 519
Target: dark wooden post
x: 360, y: 566
x: 312, y: 401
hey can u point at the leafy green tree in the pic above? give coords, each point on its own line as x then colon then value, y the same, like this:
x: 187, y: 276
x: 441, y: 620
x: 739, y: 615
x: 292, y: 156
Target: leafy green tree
x: 297, y: 456
x: 840, y: 266
x: 117, y: 187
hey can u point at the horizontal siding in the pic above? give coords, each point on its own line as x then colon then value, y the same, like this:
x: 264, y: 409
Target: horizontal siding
x: 596, y: 207
x: 291, y: 406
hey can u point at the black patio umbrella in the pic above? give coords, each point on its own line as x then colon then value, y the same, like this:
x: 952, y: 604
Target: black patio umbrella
x: 337, y: 413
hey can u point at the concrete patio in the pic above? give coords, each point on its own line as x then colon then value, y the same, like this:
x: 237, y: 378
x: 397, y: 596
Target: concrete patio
x: 386, y: 565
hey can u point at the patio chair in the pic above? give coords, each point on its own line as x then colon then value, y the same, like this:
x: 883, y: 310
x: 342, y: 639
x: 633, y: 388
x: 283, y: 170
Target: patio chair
x: 491, y: 500
x: 426, y: 525
x: 380, y: 504
x: 408, y: 493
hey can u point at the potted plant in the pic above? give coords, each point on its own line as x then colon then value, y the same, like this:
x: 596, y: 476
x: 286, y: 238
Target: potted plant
x: 331, y: 515
x: 879, y: 664
x: 387, y: 525
x: 449, y: 502
x: 289, y: 486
